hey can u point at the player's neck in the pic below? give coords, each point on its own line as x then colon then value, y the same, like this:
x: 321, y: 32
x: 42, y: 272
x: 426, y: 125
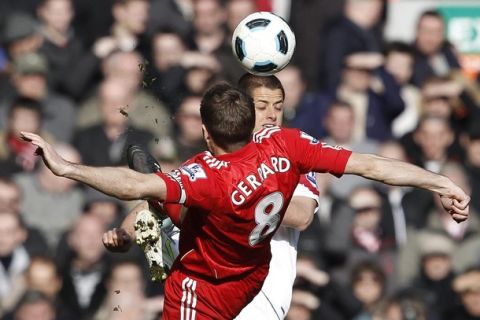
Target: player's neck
x: 218, y: 151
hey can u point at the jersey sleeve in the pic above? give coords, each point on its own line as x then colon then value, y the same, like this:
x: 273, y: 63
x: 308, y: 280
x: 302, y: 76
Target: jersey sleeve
x: 190, y: 185
x: 307, y: 187
x: 312, y: 155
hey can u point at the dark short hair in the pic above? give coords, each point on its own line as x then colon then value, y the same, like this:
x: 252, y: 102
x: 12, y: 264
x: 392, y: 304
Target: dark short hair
x: 248, y: 82
x: 339, y: 104
x: 430, y: 13
x: 399, y: 46
x: 368, y: 266
x: 228, y: 115
x: 26, y: 103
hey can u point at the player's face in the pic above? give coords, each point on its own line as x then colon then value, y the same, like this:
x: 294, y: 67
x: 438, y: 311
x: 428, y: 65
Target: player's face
x: 268, y: 107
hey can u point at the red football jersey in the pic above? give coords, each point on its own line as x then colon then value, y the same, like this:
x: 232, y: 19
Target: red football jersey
x: 236, y: 201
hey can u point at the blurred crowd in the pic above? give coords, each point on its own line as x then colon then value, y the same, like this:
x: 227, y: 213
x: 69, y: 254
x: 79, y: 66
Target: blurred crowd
x: 94, y: 76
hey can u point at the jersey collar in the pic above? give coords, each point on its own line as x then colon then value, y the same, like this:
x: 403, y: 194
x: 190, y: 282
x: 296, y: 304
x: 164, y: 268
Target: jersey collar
x: 245, y: 152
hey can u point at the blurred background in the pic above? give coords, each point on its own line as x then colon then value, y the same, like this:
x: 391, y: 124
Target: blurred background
x: 399, y: 78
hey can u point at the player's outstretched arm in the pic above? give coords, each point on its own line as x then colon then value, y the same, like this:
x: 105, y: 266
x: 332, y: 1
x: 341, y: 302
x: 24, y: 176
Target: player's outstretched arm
x: 299, y: 213
x: 121, y: 183
x: 399, y: 173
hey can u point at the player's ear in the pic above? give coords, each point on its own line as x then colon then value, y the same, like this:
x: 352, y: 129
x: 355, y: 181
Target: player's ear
x: 206, y: 135
x: 208, y: 138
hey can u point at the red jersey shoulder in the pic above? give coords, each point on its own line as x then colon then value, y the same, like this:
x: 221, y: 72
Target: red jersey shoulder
x: 196, y: 181
x: 265, y: 133
x: 276, y: 132
x: 207, y: 160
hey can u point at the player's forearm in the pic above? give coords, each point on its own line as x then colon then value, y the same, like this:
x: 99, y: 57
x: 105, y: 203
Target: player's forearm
x: 299, y: 213
x: 397, y: 173
x: 118, y: 182
x: 129, y: 221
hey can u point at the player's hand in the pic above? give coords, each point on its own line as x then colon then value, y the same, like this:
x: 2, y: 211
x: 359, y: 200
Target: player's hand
x: 117, y: 240
x: 51, y: 158
x: 459, y: 210
x: 456, y: 203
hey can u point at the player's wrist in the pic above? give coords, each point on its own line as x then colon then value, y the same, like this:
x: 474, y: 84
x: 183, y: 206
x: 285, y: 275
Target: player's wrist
x: 68, y: 170
x: 445, y: 187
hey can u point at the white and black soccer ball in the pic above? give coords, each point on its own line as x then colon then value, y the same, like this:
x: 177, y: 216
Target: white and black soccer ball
x: 263, y: 43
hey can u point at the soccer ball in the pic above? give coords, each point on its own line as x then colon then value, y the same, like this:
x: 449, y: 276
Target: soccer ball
x: 263, y: 43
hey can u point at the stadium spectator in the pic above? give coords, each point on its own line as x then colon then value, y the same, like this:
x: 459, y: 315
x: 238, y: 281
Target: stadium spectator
x: 8, y: 7
x: 236, y: 11
x: 60, y: 46
x: 466, y: 285
x: 175, y: 15
x: 110, y: 210
x: 21, y: 35
x: 405, y: 205
x: 86, y: 268
x: 48, y: 202
x: 10, y: 200
x: 144, y: 111
x: 360, y: 233
x: 166, y: 73
x: 471, y: 143
x: 104, y: 143
x: 199, y: 78
x: 440, y: 96
x: 402, y: 306
x: 376, y: 101
x: 15, y: 155
x: 432, y: 139
x: 399, y: 59
x: 354, y: 32
x: 189, y: 137
x: 127, y: 32
x: 368, y: 285
x: 29, y: 80
x: 434, y: 281
x: 35, y: 305
x: 208, y: 21
x: 169, y: 76
x: 9, y: 195
x: 297, y: 98
x: 434, y: 55
x: 452, y: 98
x: 126, y: 298
x: 310, y: 20
x: 14, y: 259
x: 42, y: 276
x: 339, y: 123
x: 465, y: 236
x: 313, y: 284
